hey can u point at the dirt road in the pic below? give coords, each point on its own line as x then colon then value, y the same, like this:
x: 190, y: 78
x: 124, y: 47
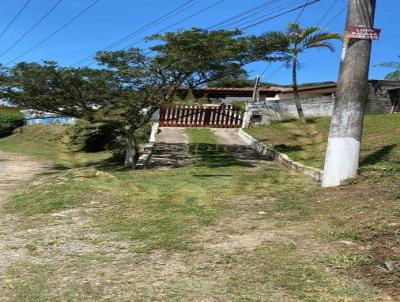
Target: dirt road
x: 15, y: 170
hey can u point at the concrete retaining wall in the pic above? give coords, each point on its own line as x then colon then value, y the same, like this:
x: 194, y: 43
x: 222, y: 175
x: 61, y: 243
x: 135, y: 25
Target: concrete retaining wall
x: 280, y: 158
x: 148, y: 148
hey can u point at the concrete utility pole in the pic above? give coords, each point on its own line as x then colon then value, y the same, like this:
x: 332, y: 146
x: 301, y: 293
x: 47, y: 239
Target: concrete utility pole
x: 343, y: 152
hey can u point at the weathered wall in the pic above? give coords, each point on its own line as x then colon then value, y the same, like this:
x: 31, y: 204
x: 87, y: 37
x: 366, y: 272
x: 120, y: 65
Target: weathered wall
x: 281, y: 158
x: 277, y: 110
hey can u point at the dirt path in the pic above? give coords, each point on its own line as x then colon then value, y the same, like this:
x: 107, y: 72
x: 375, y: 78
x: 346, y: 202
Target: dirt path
x: 172, y: 136
x: 171, y: 150
x: 235, y: 145
x: 15, y: 170
x: 229, y: 137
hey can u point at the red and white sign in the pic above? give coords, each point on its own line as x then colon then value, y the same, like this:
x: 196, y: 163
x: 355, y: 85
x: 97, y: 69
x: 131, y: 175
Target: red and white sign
x: 363, y: 33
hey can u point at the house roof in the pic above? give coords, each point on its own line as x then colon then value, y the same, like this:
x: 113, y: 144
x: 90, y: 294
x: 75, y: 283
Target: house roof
x: 248, y: 91
x: 271, y: 91
x: 309, y: 88
x: 233, y: 91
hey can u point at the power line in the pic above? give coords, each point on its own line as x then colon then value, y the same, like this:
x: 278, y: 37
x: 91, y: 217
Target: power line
x: 279, y: 15
x: 275, y: 71
x: 336, y: 16
x: 277, y: 9
x: 252, y: 11
x: 56, y: 31
x: 266, y: 68
x: 159, y: 20
x: 327, y: 12
x: 177, y: 23
x: 15, y: 18
x: 153, y: 23
x: 181, y: 21
x: 32, y: 27
x: 236, y: 23
x: 301, y: 13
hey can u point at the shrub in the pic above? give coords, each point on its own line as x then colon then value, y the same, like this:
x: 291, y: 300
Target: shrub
x: 94, y: 137
x: 239, y: 105
x: 9, y: 120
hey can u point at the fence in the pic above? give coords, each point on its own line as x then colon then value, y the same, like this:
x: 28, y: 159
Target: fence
x: 201, y: 116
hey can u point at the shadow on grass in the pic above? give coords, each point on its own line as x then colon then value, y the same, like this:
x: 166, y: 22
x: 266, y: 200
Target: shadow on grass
x: 5, y: 132
x: 378, y: 155
x: 285, y: 148
x: 107, y: 165
x: 203, y: 155
x: 217, y: 156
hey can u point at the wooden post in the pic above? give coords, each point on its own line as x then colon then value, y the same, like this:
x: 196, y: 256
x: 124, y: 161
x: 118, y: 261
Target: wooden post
x: 343, y: 152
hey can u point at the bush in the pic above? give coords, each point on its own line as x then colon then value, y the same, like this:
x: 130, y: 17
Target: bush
x: 239, y: 105
x: 9, y: 120
x: 94, y: 137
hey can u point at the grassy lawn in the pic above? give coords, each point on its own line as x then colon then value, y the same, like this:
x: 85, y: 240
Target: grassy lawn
x: 306, y: 143
x: 217, y: 230
x: 49, y: 143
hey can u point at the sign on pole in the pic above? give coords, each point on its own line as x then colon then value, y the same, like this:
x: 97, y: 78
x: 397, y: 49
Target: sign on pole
x: 363, y: 33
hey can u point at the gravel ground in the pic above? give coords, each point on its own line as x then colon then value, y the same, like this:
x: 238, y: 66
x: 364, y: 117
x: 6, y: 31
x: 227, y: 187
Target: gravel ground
x: 15, y: 170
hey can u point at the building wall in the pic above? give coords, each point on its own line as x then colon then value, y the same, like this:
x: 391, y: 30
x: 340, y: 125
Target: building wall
x: 231, y: 99
x: 278, y: 110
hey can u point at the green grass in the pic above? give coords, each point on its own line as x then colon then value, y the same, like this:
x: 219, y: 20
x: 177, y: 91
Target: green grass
x: 348, y: 261
x: 217, y: 229
x: 159, y: 209
x: 49, y: 143
x: 8, y: 110
x: 306, y: 143
x: 10, y: 118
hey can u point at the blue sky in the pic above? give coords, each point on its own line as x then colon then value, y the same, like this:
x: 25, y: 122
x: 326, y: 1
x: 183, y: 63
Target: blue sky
x: 110, y: 20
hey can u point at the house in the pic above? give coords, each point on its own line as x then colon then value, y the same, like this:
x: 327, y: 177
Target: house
x: 383, y: 95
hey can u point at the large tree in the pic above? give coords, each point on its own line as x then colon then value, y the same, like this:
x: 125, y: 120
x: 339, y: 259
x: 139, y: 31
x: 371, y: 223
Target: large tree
x: 130, y: 84
x: 299, y: 40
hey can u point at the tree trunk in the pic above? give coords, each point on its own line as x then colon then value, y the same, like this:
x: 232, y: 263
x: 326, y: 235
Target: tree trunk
x: 296, y: 91
x: 343, y: 152
x: 132, y: 151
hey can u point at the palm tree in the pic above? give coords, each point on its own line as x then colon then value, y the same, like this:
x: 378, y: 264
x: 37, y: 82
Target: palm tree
x: 299, y: 40
x: 395, y: 75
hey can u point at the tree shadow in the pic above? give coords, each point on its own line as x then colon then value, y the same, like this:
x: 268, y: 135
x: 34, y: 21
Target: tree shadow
x: 169, y: 156
x: 106, y: 165
x: 217, y: 156
x: 203, y: 155
x: 5, y: 132
x: 287, y: 148
x: 379, y: 155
